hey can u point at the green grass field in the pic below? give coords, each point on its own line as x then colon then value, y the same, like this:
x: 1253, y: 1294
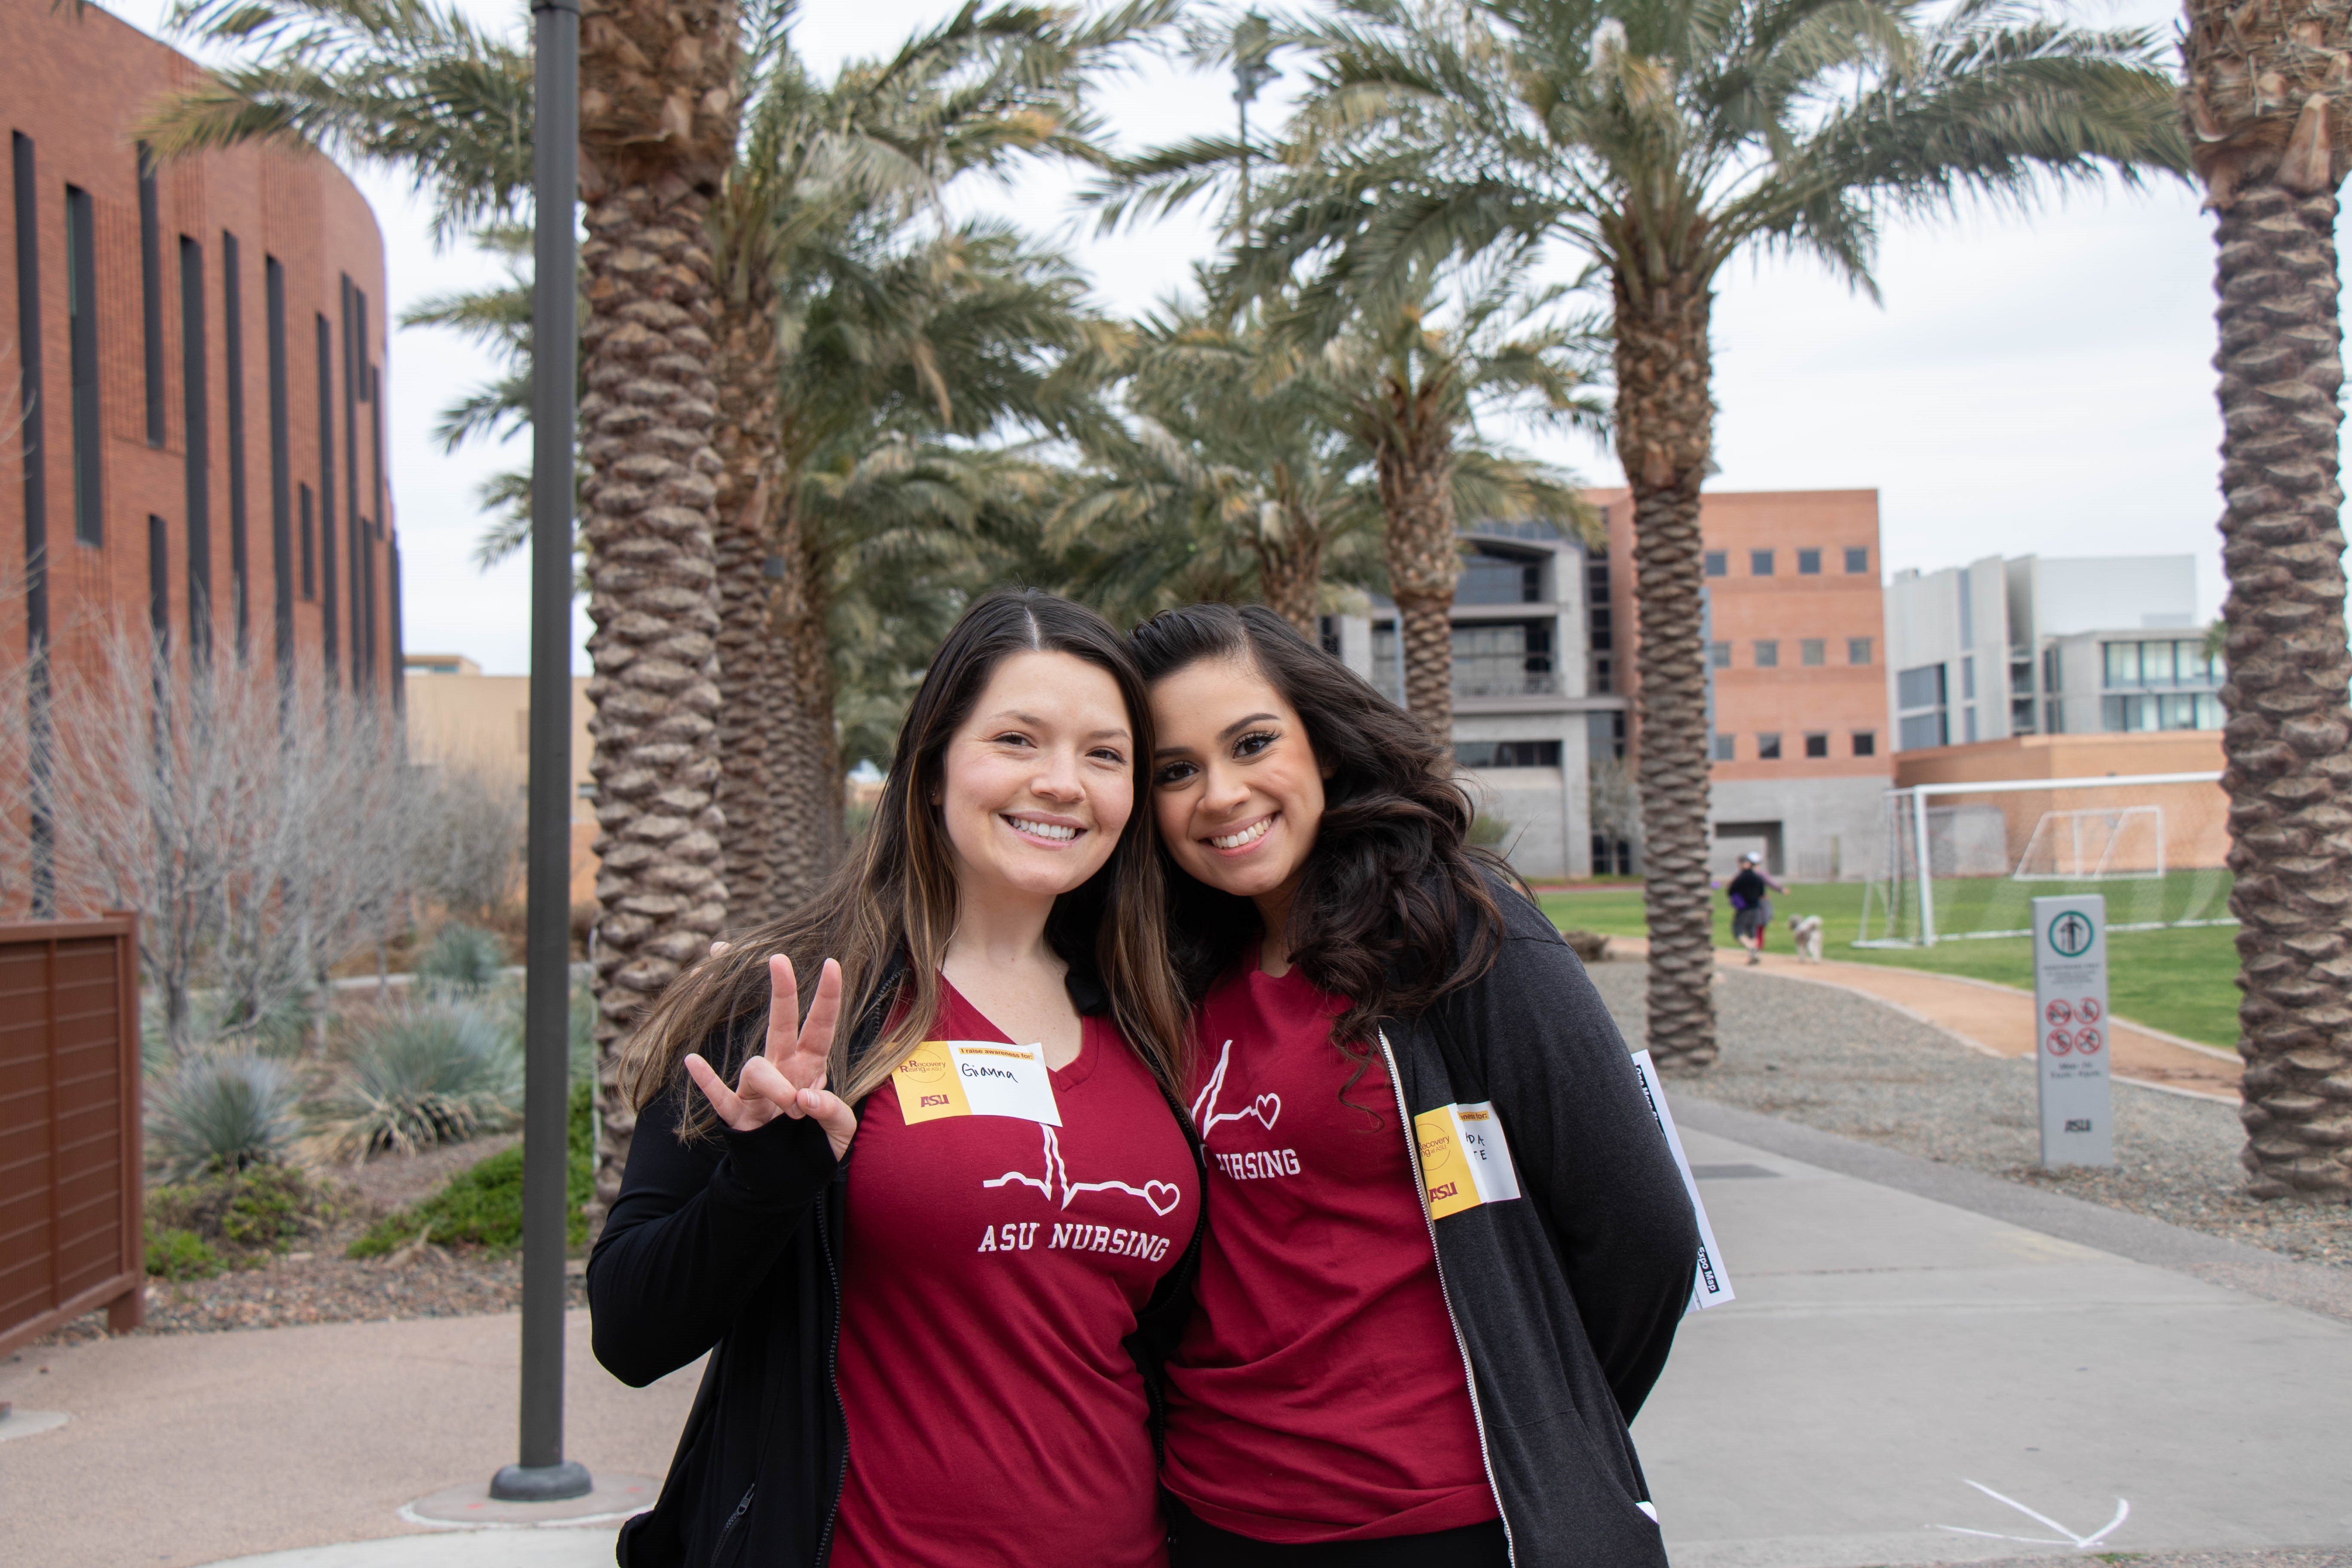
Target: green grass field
x: 2179, y: 980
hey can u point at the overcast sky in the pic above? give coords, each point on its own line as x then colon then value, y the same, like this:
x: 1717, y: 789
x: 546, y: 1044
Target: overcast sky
x: 2040, y: 385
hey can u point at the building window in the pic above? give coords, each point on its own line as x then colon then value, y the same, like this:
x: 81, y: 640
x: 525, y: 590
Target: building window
x: 1768, y: 654
x: 1604, y: 734
x: 281, y: 463
x: 309, y: 535
x: 1718, y: 564
x: 1506, y: 753
x: 1503, y: 658
x: 197, y: 465
x: 1723, y: 750
x: 1813, y: 651
x: 1327, y: 634
x: 1809, y: 563
x: 1866, y: 743
x: 1490, y: 577
x: 151, y: 291
x: 2167, y: 710
x: 330, y: 638
x: 1969, y: 725
x: 1857, y: 559
x: 81, y: 342
x: 1718, y: 655
x: 159, y: 580
x: 1768, y: 747
x: 1601, y: 629
x: 1858, y: 651
x: 2169, y: 663
x: 1817, y: 745
x: 233, y: 407
x: 1919, y: 699
x: 1760, y: 563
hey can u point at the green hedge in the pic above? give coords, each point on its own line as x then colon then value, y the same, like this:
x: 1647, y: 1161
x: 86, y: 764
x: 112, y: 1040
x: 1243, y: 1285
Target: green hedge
x: 482, y: 1205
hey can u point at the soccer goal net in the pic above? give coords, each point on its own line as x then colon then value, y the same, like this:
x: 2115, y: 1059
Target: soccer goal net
x: 1957, y: 861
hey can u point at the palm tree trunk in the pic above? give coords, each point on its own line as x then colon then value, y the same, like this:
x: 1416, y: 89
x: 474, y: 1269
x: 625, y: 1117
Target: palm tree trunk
x: 750, y: 584
x: 1290, y: 570
x: 1425, y: 562
x: 657, y: 124
x: 804, y: 752
x: 2283, y: 746
x: 1664, y: 425
x: 2257, y: 108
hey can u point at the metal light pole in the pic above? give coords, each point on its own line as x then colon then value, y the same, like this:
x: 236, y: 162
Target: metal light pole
x: 544, y: 1474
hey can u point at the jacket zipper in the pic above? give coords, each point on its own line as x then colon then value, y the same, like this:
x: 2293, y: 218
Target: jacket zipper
x: 718, y: 1547
x: 832, y: 1382
x: 1469, y: 1376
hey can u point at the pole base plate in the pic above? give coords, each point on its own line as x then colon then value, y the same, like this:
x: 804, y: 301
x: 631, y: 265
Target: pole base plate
x: 559, y: 1482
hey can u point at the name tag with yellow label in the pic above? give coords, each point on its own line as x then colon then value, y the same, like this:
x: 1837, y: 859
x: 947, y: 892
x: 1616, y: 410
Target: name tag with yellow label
x: 1464, y: 1159
x: 975, y: 1078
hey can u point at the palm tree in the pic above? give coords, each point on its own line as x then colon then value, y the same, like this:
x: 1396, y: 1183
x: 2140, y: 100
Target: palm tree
x: 1415, y: 378
x: 1661, y: 138
x: 2261, y: 110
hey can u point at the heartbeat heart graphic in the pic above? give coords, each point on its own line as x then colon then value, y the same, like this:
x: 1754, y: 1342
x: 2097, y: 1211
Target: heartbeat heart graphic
x: 1265, y: 1110
x: 1161, y: 1198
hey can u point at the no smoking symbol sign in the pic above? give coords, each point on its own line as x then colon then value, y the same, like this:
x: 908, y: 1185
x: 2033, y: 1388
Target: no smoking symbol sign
x: 2058, y: 1014
x: 2090, y: 1009
x: 2061, y: 1041
x: 2087, y: 1041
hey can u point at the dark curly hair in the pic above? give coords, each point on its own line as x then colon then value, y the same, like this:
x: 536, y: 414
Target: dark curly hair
x: 1395, y: 908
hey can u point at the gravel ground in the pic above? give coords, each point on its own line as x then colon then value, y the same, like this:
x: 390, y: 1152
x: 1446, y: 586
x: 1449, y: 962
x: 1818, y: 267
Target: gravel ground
x: 315, y: 1283
x: 1849, y: 1065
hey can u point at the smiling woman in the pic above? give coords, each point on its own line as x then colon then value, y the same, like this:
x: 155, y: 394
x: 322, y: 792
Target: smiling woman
x: 1024, y: 1186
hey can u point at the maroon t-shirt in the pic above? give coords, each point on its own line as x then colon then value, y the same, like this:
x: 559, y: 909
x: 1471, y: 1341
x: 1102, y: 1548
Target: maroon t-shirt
x: 1318, y: 1393
x: 990, y: 1269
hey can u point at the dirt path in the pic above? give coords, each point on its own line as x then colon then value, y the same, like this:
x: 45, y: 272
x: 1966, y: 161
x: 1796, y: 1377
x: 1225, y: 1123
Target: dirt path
x: 1995, y: 1019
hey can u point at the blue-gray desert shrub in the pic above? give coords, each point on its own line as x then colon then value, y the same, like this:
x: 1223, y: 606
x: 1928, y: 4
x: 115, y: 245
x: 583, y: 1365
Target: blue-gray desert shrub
x: 460, y: 960
x: 222, y: 1111
x: 432, y: 1071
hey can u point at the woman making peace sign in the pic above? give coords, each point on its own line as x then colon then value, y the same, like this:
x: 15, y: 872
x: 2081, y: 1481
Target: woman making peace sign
x: 921, y: 1354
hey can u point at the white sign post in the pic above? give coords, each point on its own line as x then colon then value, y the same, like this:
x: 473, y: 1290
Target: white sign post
x: 2071, y: 1029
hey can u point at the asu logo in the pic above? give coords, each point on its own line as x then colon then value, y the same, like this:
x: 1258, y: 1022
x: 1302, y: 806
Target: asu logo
x: 930, y: 1099
x: 1439, y: 1195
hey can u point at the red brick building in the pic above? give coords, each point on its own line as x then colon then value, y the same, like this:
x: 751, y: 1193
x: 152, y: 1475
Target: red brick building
x: 1802, y: 750
x: 196, y: 356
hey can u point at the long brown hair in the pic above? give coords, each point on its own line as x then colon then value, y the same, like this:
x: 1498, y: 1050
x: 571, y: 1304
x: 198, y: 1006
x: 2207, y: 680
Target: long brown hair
x: 896, y: 897
x: 1392, y: 877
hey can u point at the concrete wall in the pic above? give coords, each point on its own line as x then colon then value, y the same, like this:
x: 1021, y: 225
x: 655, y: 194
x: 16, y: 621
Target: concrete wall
x: 2100, y: 592
x: 1826, y: 827
x: 481, y: 723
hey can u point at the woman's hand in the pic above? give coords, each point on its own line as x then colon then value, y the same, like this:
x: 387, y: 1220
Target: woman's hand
x: 787, y: 1078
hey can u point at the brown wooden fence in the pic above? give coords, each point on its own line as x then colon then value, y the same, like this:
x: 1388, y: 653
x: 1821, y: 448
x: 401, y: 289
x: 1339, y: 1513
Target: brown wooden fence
x: 70, y: 1237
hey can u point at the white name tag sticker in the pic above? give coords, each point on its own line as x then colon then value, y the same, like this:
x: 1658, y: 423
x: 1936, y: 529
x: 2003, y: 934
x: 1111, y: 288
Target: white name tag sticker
x: 1710, y: 1287
x: 975, y: 1078
x: 1464, y: 1159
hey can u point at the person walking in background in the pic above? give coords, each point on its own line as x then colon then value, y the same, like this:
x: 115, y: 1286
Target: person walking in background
x: 943, y: 1354
x: 1448, y: 1247
x: 1751, y: 904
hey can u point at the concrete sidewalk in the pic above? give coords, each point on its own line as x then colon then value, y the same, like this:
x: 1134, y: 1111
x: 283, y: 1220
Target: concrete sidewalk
x: 1888, y: 1349
x: 1903, y: 1329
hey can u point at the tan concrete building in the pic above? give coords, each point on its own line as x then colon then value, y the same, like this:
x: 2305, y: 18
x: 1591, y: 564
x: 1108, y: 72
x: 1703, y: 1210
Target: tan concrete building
x: 460, y: 718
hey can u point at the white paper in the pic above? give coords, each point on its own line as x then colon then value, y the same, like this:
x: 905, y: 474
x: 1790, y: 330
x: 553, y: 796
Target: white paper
x: 999, y: 1080
x: 1712, y: 1288
x: 1482, y: 1138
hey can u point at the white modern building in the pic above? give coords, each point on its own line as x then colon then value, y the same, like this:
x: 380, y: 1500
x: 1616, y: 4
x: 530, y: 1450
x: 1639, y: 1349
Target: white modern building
x: 1526, y: 642
x: 2037, y: 644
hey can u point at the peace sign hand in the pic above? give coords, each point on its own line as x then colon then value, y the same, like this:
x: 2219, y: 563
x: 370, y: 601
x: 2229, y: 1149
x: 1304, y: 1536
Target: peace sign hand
x: 787, y: 1079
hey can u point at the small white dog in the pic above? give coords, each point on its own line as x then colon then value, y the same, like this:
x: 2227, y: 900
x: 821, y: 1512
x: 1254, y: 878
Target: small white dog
x: 1807, y: 931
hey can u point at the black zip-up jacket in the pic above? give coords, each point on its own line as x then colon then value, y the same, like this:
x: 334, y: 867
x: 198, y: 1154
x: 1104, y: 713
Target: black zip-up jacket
x: 733, y: 1246
x: 1566, y: 1301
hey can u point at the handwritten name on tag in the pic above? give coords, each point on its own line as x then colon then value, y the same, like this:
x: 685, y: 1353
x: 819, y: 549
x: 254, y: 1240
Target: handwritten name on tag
x: 1464, y: 1159
x: 975, y: 1078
